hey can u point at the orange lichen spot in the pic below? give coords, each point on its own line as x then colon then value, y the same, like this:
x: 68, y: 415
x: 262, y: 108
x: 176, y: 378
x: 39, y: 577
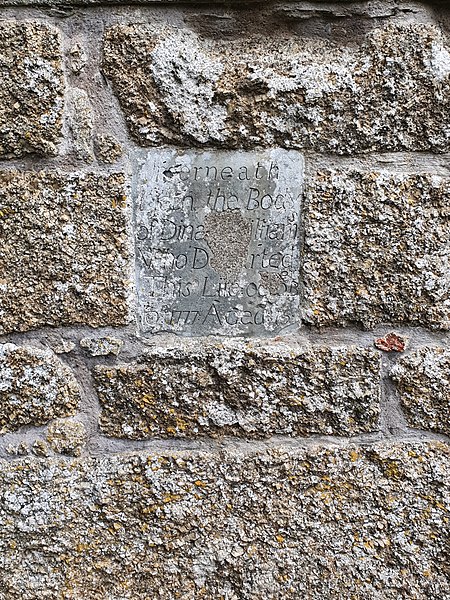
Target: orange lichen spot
x: 199, y: 483
x: 280, y: 539
x: 171, y: 498
x: 119, y: 202
x: 354, y: 455
x: 147, y: 399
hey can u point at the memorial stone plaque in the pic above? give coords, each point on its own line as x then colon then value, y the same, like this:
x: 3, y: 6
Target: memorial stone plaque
x: 217, y: 241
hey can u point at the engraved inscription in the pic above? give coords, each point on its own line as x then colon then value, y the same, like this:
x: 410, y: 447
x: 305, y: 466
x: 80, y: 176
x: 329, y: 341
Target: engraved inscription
x: 217, y: 241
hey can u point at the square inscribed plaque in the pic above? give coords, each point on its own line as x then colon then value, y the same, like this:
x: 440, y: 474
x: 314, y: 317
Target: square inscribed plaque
x: 218, y: 242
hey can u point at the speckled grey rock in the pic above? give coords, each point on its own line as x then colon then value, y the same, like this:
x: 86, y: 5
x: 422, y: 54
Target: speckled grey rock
x: 423, y: 383
x: 107, y: 148
x: 31, y: 88
x: 81, y: 124
x: 35, y: 386
x: 179, y: 88
x: 64, y: 256
x: 102, y: 346
x: 237, y: 389
x: 319, y: 524
x: 376, y: 249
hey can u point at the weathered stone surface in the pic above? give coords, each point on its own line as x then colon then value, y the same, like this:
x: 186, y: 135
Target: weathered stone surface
x: 176, y: 87
x: 31, y: 88
x: 64, y: 256
x: 81, y: 124
x: 423, y: 383
x: 35, y: 386
x: 243, y: 391
x: 376, y: 249
x: 218, y: 241
x: 322, y: 523
x: 67, y: 437
x: 107, y: 149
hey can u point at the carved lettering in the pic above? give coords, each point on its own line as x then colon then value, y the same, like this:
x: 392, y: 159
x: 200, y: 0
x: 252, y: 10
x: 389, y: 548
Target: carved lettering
x: 217, y: 242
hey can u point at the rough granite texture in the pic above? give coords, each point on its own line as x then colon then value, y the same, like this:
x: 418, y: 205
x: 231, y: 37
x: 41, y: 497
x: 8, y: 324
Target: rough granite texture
x: 324, y: 523
x: 65, y: 251
x: 35, y: 386
x: 81, y: 125
x: 176, y: 87
x: 311, y: 466
x: 423, y: 384
x: 31, y: 88
x: 243, y: 391
x: 377, y: 249
x: 67, y: 437
x: 102, y: 346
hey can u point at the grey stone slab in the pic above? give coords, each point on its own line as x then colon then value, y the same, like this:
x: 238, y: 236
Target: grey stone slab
x: 217, y: 241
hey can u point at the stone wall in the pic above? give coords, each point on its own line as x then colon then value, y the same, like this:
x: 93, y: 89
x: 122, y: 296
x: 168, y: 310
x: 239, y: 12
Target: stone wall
x: 224, y: 300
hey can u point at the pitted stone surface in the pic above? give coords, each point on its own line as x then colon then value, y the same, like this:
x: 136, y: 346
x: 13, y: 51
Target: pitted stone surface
x: 243, y: 391
x: 423, y: 384
x: 31, y: 88
x: 102, y: 346
x: 81, y: 124
x: 376, y: 249
x: 65, y: 254
x: 67, y: 437
x: 35, y: 386
x: 217, y: 239
x: 179, y: 88
x: 320, y: 523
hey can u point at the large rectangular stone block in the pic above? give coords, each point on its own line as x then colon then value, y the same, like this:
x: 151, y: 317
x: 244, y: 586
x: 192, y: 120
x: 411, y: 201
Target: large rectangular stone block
x: 376, y: 249
x: 243, y: 391
x: 391, y: 92
x: 326, y: 523
x: 65, y: 252
x: 423, y: 384
x: 31, y: 88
